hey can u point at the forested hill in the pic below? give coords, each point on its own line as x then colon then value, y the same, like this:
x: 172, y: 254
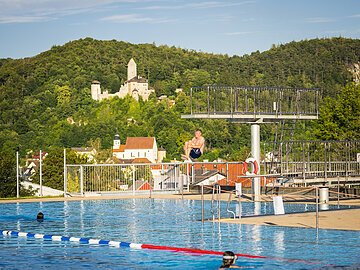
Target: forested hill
x: 38, y: 95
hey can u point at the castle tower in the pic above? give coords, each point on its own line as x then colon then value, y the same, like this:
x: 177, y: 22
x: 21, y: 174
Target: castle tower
x: 131, y: 69
x: 116, y: 141
x: 95, y: 90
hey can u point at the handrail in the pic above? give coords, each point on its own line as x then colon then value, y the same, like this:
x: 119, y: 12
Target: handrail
x: 212, y: 204
x: 228, y: 204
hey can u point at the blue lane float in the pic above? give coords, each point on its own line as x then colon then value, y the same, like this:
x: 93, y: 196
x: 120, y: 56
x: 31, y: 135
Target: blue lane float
x: 81, y: 240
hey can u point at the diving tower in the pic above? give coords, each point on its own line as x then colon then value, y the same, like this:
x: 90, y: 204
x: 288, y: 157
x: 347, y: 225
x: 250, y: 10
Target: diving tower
x: 254, y: 105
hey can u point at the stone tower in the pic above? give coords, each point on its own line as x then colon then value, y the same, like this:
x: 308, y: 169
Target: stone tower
x: 117, y: 141
x: 132, y: 72
x: 95, y: 90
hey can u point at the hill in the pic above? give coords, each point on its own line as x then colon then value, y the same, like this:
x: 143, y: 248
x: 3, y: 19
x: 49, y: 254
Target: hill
x: 45, y: 100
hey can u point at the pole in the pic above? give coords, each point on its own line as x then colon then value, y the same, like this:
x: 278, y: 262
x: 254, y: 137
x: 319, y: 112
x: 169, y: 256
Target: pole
x: 238, y: 192
x: 188, y: 178
x: 240, y: 210
x: 81, y: 180
x: 255, y: 152
x: 65, y: 174
x: 17, y: 175
x: 40, y: 174
x: 182, y: 182
x: 219, y: 201
x: 317, y: 208
x: 227, y: 171
x: 133, y: 180
x: 202, y: 203
x: 338, y: 192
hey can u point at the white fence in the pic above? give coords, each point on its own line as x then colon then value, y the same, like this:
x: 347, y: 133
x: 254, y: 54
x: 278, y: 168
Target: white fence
x: 85, y: 179
x: 308, y: 162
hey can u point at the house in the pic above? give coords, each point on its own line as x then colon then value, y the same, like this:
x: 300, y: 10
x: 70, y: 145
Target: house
x: 30, y: 170
x: 141, y: 185
x: 32, y: 164
x: 208, y: 177
x: 137, y: 150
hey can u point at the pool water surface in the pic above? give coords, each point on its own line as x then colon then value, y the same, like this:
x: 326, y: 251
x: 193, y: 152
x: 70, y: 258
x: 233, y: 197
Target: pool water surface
x: 175, y: 223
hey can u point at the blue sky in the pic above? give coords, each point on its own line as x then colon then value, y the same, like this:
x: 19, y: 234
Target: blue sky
x: 233, y: 27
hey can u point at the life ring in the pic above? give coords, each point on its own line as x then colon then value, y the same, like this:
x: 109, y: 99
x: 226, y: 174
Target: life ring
x: 255, y: 166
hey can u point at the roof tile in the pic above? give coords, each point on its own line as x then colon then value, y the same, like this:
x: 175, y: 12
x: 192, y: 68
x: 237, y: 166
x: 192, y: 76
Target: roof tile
x: 140, y: 142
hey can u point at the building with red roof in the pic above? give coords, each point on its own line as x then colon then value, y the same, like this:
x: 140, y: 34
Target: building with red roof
x: 138, y: 150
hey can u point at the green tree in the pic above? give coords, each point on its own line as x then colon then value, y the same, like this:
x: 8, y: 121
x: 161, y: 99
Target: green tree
x: 7, y: 175
x: 340, y: 117
x: 53, y: 166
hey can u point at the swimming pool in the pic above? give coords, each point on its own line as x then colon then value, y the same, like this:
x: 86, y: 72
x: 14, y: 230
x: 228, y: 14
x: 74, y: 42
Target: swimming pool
x: 161, y: 222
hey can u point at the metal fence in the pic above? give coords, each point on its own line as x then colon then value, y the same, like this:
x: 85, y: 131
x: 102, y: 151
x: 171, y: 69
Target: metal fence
x: 321, y: 160
x: 139, y: 178
x: 303, y: 162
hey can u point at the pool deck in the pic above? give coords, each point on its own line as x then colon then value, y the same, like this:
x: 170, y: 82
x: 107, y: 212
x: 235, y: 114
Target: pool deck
x: 348, y: 219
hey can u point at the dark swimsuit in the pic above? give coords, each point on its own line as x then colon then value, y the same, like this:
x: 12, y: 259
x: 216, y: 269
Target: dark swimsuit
x: 195, y: 153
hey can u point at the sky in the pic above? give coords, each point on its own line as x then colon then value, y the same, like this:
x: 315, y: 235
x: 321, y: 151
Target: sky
x: 233, y: 27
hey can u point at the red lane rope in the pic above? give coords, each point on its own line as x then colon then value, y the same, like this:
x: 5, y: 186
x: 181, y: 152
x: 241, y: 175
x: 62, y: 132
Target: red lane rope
x: 197, y: 251
x: 213, y: 252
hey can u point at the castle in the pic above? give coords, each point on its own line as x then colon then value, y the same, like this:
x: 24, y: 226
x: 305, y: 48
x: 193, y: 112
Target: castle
x: 135, y: 86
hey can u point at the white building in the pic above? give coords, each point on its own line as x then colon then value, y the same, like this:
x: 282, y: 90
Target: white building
x: 134, y: 86
x: 137, y: 148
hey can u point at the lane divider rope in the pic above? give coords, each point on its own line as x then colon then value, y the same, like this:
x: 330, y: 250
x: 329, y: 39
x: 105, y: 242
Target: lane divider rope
x: 119, y: 244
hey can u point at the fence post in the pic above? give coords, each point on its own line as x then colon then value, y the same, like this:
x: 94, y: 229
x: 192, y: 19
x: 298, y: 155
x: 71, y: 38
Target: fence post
x: 219, y: 201
x: 81, y: 180
x: 17, y: 175
x: 304, y: 163
x: 325, y: 159
x: 192, y: 173
x: 188, y: 177
x: 338, y: 192
x: 238, y: 192
x: 227, y: 172
x: 317, y: 208
x: 40, y: 174
x: 202, y: 203
x: 65, y: 174
x: 133, y: 180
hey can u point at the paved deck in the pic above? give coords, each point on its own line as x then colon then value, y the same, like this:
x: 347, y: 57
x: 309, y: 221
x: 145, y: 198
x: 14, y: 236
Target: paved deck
x: 348, y: 219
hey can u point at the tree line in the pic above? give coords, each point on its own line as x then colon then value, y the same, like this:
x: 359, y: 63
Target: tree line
x: 45, y: 100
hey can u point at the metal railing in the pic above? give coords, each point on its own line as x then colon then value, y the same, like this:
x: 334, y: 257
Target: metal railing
x: 136, y: 178
x: 277, y: 102
x: 313, y: 159
x: 301, y: 162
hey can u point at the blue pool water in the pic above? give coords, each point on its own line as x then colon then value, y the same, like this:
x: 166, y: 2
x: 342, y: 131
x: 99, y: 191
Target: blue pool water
x: 163, y: 222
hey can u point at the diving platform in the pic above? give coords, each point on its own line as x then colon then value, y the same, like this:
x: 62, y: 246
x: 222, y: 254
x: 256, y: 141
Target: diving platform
x: 253, y: 103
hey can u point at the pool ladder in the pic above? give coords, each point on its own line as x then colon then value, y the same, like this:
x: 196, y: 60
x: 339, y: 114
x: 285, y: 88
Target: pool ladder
x: 217, y: 190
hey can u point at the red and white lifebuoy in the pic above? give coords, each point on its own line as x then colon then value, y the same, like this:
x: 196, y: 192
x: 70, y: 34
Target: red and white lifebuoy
x: 255, y: 166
